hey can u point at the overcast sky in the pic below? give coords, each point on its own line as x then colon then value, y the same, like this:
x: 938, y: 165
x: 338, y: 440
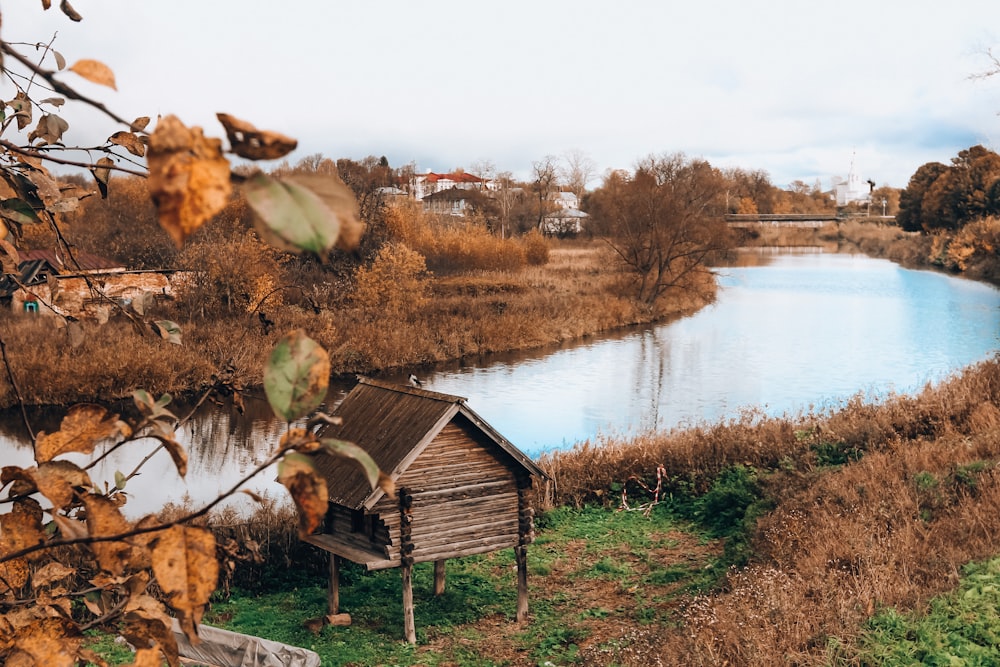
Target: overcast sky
x: 788, y: 86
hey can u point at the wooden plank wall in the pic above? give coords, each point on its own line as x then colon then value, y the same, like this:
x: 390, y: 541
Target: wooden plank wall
x: 465, y: 500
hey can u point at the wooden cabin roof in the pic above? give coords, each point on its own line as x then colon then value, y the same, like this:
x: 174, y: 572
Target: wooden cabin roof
x: 394, y: 424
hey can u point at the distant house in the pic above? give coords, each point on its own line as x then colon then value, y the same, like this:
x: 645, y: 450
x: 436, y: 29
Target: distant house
x: 88, y: 286
x: 462, y: 488
x: 430, y: 183
x: 563, y: 223
x: 457, y: 202
x: 565, y: 200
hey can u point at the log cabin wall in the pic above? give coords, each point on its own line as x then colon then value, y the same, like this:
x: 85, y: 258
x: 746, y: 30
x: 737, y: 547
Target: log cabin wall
x: 357, y: 529
x: 465, y: 498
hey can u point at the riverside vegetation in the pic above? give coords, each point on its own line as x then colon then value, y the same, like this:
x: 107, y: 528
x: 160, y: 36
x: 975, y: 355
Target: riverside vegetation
x: 775, y: 540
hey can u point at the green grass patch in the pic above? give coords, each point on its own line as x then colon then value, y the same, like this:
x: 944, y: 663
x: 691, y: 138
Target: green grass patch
x: 574, y: 546
x: 961, y: 628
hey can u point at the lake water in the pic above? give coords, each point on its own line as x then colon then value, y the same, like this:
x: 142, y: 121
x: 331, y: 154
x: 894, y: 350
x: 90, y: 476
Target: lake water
x: 803, y: 331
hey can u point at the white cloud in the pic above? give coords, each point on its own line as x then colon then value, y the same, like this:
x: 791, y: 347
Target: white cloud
x: 790, y: 87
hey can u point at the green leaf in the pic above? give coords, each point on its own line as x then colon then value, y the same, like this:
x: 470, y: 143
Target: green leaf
x: 296, y: 376
x: 168, y: 331
x: 120, y: 480
x: 19, y: 211
x: 291, y: 216
x: 352, y: 452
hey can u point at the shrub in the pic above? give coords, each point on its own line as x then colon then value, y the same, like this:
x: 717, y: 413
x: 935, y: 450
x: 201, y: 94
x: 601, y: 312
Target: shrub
x: 395, y: 282
x: 536, y: 248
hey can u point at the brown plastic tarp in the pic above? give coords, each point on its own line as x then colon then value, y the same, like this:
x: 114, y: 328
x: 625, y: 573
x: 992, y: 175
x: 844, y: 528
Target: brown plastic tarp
x: 222, y: 648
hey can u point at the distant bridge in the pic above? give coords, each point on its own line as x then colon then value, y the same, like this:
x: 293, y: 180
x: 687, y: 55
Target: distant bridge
x: 780, y: 219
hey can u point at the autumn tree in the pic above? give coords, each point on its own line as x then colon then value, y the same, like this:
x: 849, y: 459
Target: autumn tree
x: 911, y: 215
x: 749, y: 191
x: 663, y: 221
x: 960, y: 194
x: 69, y: 559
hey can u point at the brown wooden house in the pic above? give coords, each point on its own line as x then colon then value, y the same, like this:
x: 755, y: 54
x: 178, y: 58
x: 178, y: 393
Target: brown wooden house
x: 462, y: 488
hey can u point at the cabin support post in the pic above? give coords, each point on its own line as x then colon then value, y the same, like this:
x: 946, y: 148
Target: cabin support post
x: 333, y: 591
x: 409, y: 625
x: 439, y: 577
x: 525, y: 536
x: 406, y: 562
x: 521, y: 556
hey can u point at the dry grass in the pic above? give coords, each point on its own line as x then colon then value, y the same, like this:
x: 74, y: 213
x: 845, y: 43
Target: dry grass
x: 577, y: 293
x: 890, y: 529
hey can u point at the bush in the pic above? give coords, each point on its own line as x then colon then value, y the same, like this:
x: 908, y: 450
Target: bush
x: 395, y: 282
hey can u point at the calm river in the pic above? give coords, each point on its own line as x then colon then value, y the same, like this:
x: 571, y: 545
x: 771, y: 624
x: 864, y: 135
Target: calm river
x: 797, y: 332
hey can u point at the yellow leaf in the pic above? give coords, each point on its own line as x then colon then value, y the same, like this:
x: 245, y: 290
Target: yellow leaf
x: 81, y: 429
x: 253, y: 144
x: 105, y: 519
x: 186, y: 569
x: 95, y: 72
x: 56, y: 480
x: 308, y: 489
x: 188, y: 177
x: 52, y: 642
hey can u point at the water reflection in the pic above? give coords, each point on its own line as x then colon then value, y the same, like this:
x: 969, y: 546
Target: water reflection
x: 789, y: 332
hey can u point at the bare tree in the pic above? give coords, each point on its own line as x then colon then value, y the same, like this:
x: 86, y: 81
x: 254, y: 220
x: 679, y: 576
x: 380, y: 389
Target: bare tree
x: 663, y: 221
x: 577, y: 170
x: 545, y: 179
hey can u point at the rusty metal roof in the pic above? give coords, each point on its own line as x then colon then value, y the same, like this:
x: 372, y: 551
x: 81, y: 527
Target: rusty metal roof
x: 394, y: 423
x: 85, y: 262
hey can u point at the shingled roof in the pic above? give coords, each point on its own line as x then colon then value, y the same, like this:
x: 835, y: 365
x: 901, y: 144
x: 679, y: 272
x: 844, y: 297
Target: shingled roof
x: 394, y: 424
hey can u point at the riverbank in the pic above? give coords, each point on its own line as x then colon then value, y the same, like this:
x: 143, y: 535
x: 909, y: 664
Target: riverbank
x: 768, y: 545
x: 578, y: 293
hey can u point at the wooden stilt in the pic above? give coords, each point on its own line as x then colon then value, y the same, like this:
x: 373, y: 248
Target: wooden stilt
x: 439, y: 577
x: 409, y: 625
x: 521, y: 556
x: 333, y: 590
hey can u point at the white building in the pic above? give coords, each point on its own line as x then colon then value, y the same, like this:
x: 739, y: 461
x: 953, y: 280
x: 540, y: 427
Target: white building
x: 853, y: 190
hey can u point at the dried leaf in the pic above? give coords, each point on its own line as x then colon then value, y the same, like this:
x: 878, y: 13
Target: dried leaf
x: 103, y: 520
x: 95, y: 72
x: 60, y: 61
x: 308, y: 489
x: 147, y: 623
x: 147, y: 657
x: 166, y: 436
x: 129, y: 142
x: 102, y: 174
x: 56, y: 480
x: 20, y: 528
x: 296, y: 376
x: 186, y: 569
x: 9, y: 257
x: 68, y: 10
x: 189, y: 177
x: 53, y: 642
x: 139, y: 124
x: 50, y: 129
x: 54, y: 101
x: 82, y: 428
x: 355, y: 454
x: 51, y: 573
x: 22, y: 109
x: 70, y: 529
x: 253, y: 144
x: 76, y: 334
